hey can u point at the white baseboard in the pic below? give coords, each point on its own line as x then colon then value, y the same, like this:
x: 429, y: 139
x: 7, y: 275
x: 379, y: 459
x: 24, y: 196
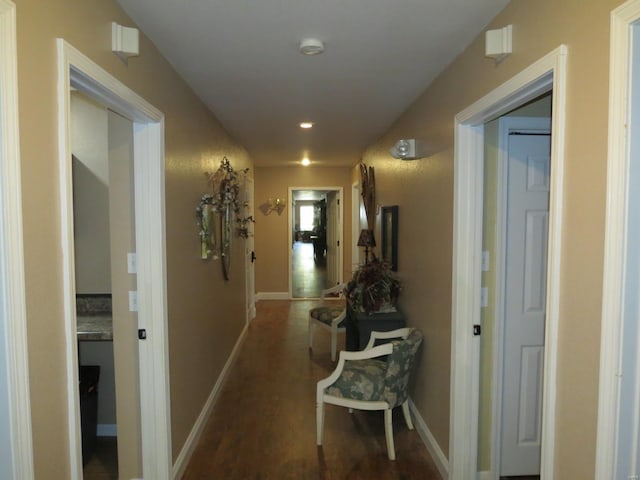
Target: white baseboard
x: 272, y: 296
x: 442, y: 463
x: 107, y: 430
x: 192, y: 440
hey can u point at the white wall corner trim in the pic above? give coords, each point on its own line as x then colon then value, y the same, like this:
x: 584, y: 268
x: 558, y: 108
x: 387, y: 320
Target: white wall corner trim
x: 548, y: 73
x: 616, y: 226
x: 192, y: 440
x: 12, y: 254
x: 429, y: 441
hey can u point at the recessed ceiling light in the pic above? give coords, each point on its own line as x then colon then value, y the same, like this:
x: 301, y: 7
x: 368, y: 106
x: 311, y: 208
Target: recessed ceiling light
x: 311, y: 46
x: 306, y: 124
x: 306, y: 162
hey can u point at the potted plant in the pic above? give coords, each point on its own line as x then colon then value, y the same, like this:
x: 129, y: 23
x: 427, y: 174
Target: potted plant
x: 373, y: 288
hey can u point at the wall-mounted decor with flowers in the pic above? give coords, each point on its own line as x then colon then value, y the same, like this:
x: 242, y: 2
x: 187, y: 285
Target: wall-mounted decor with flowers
x: 219, y: 207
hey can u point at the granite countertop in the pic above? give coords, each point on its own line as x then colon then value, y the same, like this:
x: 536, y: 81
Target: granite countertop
x: 94, y: 319
x: 95, y: 327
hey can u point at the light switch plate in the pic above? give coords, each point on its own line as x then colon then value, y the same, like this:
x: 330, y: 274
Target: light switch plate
x: 133, y: 301
x: 486, y: 260
x: 132, y: 263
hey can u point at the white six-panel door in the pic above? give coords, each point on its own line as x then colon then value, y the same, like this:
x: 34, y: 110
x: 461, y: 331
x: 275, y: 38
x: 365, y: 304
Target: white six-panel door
x: 525, y: 285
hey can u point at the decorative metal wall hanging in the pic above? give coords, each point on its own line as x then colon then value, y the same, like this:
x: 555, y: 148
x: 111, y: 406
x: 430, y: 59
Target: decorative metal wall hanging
x: 223, y: 203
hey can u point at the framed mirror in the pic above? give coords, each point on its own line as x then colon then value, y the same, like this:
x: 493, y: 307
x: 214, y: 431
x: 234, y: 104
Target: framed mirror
x: 390, y: 236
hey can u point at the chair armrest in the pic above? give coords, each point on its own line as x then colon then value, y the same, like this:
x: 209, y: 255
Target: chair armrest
x: 334, y: 289
x: 345, y: 356
x: 398, y: 333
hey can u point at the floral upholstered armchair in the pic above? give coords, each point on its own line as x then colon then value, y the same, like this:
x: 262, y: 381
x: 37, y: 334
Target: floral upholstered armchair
x: 329, y: 316
x: 364, y: 381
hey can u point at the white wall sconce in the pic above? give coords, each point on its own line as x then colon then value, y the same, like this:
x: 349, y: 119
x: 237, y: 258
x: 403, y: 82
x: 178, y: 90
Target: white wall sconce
x: 498, y: 43
x: 124, y: 41
x: 410, y: 149
x: 277, y: 205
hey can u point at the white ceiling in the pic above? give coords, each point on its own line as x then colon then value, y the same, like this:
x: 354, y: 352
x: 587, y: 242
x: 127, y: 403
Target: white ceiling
x: 241, y: 58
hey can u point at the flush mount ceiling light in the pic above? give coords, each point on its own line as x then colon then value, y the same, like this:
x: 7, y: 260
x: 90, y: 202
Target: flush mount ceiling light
x: 311, y: 46
x: 306, y: 162
x: 306, y: 125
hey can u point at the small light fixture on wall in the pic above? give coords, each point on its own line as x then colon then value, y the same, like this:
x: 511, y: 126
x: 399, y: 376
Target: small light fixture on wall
x: 410, y: 149
x: 277, y: 205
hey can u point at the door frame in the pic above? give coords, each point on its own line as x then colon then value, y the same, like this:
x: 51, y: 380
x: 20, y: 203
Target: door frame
x: 78, y: 71
x: 249, y: 246
x: 340, y: 191
x: 13, y: 316
x: 614, y: 288
x: 355, y: 225
x: 505, y: 126
x: 548, y: 73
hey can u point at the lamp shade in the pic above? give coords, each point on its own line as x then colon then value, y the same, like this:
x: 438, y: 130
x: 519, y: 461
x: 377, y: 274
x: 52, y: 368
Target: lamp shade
x: 366, y: 239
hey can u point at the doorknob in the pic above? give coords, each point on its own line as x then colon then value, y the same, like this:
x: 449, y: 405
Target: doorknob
x: 253, y: 256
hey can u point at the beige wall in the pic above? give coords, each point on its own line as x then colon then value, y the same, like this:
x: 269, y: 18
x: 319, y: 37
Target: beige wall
x: 271, y: 243
x: 206, y: 314
x: 90, y: 145
x: 424, y: 191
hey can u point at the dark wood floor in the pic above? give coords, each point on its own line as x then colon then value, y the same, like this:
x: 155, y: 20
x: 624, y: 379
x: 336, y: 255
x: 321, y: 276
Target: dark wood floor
x: 104, y: 461
x: 263, y: 423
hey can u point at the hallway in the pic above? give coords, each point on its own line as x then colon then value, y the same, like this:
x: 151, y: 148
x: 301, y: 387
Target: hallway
x: 263, y: 424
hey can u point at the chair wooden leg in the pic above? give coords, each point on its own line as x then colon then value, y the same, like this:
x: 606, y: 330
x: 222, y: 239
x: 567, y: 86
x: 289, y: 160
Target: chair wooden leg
x: 388, y: 431
x: 407, y: 414
x: 319, y: 422
x: 334, y: 345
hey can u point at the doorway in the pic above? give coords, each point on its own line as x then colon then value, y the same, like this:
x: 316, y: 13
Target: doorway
x: 78, y: 72
x: 547, y: 74
x: 315, y: 226
x: 249, y: 253
x: 103, y: 219
x: 516, y: 207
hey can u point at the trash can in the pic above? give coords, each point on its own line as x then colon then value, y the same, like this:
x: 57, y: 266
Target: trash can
x: 89, y: 376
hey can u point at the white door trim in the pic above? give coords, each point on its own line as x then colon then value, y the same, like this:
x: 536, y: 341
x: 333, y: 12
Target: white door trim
x: 614, y: 289
x: 290, y: 231
x: 505, y: 125
x: 12, y: 253
x: 355, y: 224
x: 75, y: 69
x: 547, y: 73
x: 249, y: 246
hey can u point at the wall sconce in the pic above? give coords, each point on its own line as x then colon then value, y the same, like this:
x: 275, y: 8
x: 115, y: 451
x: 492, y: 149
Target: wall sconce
x: 277, y: 205
x: 410, y: 149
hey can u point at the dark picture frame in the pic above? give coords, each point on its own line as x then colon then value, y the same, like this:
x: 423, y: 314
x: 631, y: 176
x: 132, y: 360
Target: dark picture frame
x: 390, y: 236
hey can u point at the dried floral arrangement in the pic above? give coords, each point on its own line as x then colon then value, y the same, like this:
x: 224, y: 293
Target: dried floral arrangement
x: 373, y: 288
